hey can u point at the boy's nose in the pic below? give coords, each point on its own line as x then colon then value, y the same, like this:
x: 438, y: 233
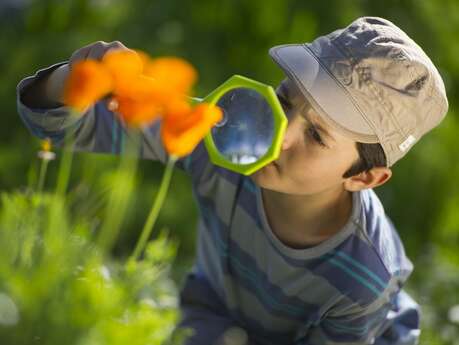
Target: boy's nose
x: 289, y: 137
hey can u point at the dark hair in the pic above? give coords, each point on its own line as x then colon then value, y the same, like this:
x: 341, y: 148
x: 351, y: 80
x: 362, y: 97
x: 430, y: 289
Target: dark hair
x: 370, y: 156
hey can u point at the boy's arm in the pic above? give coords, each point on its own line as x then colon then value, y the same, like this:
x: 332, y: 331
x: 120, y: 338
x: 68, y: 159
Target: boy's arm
x: 39, y: 103
x: 97, y: 130
x: 395, y: 323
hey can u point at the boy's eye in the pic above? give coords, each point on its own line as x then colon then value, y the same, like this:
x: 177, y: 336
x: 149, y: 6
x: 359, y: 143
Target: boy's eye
x: 314, y: 134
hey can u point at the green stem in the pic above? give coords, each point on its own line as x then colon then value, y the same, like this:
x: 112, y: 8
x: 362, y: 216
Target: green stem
x: 65, y: 166
x: 122, y: 187
x: 156, y: 207
x: 57, y: 222
x: 41, y: 179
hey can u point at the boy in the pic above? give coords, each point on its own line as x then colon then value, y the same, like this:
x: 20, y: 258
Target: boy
x: 300, y: 252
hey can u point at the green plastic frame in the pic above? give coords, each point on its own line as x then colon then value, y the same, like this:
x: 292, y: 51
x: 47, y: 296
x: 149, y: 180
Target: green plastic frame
x: 280, y: 124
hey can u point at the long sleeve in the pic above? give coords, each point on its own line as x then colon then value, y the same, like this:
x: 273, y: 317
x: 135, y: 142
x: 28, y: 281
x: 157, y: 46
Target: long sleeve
x: 98, y: 130
x: 395, y: 323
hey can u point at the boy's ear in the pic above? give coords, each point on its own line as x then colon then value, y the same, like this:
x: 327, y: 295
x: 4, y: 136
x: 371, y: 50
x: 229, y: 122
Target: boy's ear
x: 372, y: 178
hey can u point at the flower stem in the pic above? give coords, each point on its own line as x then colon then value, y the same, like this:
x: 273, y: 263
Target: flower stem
x: 156, y: 207
x: 41, y: 178
x: 122, y: 182
x: 57, y: 222
x: 65, y: 166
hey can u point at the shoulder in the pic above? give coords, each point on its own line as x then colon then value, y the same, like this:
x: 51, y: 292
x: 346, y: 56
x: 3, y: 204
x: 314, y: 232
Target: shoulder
x: 373, y: 258
x: 381, y: 234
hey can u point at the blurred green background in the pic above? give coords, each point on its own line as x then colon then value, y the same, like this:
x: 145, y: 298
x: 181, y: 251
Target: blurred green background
x: 227, y: 37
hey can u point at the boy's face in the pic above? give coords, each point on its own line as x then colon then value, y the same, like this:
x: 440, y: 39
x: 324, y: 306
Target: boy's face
x: 313, y: 157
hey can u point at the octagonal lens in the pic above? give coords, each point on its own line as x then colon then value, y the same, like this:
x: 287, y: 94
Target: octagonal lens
x: 246, y: 131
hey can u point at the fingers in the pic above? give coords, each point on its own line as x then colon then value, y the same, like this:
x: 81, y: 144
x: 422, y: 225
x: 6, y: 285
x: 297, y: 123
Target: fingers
x: 96, y: 51
x: 78, y: 55
x: 117, y: 45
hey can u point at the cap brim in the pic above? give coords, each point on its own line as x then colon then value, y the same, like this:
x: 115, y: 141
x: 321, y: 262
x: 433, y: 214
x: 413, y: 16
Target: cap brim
x: 326, y: 95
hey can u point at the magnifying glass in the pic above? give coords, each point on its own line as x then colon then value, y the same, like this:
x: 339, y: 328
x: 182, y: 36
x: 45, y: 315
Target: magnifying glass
x: 250, y: 134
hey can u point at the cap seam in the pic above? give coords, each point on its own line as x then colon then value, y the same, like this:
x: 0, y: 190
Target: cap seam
x: 429, y: 92
x: 424, y: 124
x: 383, y: 104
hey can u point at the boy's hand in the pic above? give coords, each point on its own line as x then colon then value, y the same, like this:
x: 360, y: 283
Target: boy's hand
x: 93, y: 51
x: 48, y: 92
x: 96, y: 51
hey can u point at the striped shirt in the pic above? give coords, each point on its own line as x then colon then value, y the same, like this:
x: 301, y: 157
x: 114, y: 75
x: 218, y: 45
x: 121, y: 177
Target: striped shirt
x: 345, y: 290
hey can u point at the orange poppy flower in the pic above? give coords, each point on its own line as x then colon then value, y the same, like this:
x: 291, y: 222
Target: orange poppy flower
x: 135, y: 112
x: 139, y: 101
x: 173, y: 73
x: 142, y: 97
x: 178, y: 106
x: 181, y: 132
x: 88, y: 82
x: 123, y: 65
x: 141, y: 89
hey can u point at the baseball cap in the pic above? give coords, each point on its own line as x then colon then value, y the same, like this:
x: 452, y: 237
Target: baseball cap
x: 370, y: 81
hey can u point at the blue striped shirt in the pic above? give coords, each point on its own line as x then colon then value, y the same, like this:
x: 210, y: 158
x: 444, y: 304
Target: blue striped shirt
x: 345, y: 290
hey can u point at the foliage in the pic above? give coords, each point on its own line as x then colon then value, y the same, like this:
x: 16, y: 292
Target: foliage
x: 56, y: 284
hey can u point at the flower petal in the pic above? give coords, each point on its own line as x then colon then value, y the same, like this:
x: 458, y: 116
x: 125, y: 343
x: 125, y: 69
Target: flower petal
x: 182, y: 132
x: 123, y: 64
x: 173, y: 73
x: 137, y: 112
x: 140, y: 100
x: 88, y: 82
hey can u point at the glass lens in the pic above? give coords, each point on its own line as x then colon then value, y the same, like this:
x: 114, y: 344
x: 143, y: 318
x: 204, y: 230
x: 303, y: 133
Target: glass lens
x: 247, y: 128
